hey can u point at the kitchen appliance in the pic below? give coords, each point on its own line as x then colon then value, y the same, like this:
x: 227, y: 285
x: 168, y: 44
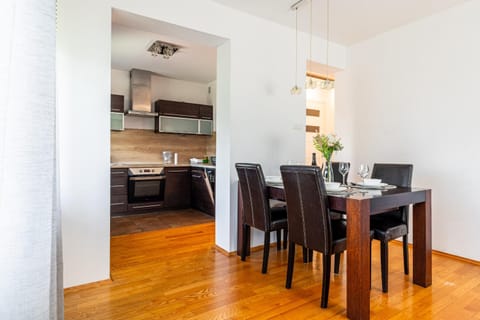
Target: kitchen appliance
x: 167, y: 157
x: 146, y: 185
x: 140, y: 93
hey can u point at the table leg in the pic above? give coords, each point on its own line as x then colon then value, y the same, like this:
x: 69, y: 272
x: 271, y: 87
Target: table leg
x: 422, y: 241
x: 358, y: 259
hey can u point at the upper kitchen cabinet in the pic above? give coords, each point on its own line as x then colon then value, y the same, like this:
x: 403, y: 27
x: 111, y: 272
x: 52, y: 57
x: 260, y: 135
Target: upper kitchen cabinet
x: 117, y: 103
x: 183, y: 117
x: 206, y: 112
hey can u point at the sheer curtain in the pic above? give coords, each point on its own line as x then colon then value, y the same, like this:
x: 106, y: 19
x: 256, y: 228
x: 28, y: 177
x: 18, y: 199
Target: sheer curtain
x: 30, y: 247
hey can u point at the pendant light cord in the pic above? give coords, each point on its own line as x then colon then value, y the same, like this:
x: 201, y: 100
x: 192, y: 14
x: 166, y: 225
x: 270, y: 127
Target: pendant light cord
x: 328, y: 32
x: 296, y: 45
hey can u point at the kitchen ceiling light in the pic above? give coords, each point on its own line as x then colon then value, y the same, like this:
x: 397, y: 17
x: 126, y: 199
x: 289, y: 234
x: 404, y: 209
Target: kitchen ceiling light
x: 163, y: 49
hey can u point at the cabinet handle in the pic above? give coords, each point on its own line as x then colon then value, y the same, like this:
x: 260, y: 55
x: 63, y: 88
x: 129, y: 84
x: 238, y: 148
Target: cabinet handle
x: 177, y: 171
x: 196, y: 176
x: 117, y: 203
x: 119, y: 186
x: 115, y: 109
x: 118, y: 172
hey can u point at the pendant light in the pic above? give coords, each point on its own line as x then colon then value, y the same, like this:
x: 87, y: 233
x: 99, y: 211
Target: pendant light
x: 327, y: 83
x: 310, y: 83
x: 296, y: 89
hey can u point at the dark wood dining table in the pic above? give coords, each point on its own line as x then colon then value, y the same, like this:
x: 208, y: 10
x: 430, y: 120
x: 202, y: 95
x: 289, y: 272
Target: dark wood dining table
x: 359, y: 206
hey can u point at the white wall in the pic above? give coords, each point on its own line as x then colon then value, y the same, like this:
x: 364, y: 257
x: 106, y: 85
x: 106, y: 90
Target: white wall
x: 258, y: 119
x: 162, y: 88
x: 415, y: 99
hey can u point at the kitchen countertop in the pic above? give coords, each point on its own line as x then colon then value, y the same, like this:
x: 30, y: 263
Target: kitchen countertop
x: 126, y: 165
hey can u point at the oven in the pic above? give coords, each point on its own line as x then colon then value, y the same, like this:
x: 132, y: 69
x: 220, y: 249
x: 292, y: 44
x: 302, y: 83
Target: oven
x: 146, y: 185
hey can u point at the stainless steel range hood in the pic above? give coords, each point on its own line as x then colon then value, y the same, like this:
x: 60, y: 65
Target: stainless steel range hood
x: 140, y: 93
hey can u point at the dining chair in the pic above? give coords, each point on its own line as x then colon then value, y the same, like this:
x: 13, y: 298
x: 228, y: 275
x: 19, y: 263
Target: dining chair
x: 257, y: 211
x: 309, y: 222
x: 393, y: 224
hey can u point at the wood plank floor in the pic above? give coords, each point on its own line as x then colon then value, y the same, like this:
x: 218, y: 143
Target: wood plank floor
x: 165, y: 219
x: 178, y: 274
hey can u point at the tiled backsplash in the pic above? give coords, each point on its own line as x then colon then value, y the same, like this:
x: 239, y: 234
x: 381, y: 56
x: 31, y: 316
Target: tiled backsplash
x: 145, y: 145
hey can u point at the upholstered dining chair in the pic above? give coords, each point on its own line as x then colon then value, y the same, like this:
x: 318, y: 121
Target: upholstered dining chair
x: 257, y: 212
x: 309, y: 222
x: 393, y: 224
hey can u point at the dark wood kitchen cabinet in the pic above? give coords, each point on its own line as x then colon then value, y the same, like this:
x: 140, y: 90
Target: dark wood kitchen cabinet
x: 118, y: 191
x: 177, y: 187
x: 202, y: 193
x: 206, y: 112
x: 183, y: 109
x: 117, y: 103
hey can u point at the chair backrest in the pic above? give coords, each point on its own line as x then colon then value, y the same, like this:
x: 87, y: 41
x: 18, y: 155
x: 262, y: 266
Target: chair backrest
x: 396, y: 174
x: 256, y: 208
x: 307, y: 207
x: 337, y: 176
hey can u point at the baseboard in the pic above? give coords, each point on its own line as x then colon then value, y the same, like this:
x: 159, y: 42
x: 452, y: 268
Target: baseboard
x: 90, y: 284
x: 225, y: 252
x: 444, y: 254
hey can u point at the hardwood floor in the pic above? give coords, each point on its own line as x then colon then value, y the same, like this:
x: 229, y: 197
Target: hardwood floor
x: 155, y: 221
x: 178, y: 274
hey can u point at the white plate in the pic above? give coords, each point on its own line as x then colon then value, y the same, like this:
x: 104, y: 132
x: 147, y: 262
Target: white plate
x: 273, y: 179
x: 339, y: 189
x: 379, y: 185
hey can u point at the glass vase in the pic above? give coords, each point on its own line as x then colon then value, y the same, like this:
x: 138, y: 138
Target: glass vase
x: 327, y: 171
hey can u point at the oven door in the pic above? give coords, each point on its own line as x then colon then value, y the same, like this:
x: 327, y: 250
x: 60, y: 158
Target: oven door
x: 146, y: 188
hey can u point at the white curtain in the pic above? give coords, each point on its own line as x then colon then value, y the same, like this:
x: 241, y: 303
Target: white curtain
x: 30, y: 247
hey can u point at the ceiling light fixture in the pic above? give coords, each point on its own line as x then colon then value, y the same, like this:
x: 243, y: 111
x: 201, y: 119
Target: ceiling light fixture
x: 296, y: 89
x: 327, y: 84
x: 164, y: 49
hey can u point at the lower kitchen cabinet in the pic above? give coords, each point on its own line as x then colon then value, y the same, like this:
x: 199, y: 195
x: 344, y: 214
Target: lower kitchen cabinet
x: 177, y: 187
x: 202, y: 193
x: 118, y: 191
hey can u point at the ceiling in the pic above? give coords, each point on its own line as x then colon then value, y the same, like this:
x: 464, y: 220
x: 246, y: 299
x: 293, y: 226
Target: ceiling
x: 132, y: 35
x: 351, y: 21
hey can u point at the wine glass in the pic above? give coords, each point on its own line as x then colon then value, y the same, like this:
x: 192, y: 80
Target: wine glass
x: 343, y: 168
x: 363, y: 171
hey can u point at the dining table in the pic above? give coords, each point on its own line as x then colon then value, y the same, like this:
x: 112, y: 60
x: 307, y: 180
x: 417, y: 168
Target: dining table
x: 359, y: 204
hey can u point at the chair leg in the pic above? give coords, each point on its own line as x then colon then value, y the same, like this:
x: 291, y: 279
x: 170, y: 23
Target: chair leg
x: 326, y: 280
x: 246, y: 235
x: 405, y: 254
x: 384, y: 264
x: 336, y: 268
x: 310, y: 255
x: 279, y: 239
x: 291, y: 260
x: 285, y: 237
x: 266, y: 251
x: 305, y: 254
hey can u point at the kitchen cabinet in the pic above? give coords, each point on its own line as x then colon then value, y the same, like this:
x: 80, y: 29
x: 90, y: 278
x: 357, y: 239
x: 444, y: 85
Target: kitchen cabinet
x: 202, y: 193
x: 117, y: 103
x: 177, y: 187
x: 183, y: 117
x: 177, y: 109
x: 118, y: 191
x: 117, y: 121
x: 206, y: 112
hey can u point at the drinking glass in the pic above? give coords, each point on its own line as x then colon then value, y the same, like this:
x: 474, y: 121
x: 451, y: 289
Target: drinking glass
x: 343, y: 168
x: 363, y: 171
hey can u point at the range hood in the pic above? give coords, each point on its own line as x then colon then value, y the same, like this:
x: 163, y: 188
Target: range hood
x: 140, y: 93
